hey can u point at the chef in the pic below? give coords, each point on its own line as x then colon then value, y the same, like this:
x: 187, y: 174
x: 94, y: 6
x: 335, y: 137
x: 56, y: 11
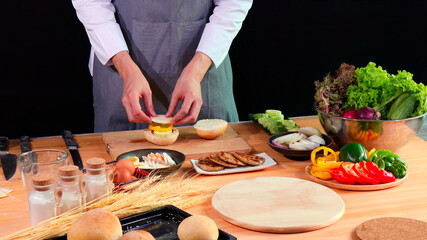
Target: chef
x: 161, y: 56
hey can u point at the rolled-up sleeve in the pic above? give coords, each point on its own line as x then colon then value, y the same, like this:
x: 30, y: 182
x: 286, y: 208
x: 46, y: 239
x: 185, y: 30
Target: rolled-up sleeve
x: 105, y: 35
x: 222, y: 28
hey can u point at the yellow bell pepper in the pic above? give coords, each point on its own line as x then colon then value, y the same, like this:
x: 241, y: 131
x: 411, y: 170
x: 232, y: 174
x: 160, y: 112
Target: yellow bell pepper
x: 326, y: 166
x: 325, y: 175
x: 160, y: 127
x: 322, y: 164
x: 370, y: 152
x: 326, y: 152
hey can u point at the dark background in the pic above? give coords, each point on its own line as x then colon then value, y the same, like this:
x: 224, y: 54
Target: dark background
x: 283, y: 47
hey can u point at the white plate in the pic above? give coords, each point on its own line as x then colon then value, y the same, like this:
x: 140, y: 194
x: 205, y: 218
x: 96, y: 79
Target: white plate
x: 269, y: 162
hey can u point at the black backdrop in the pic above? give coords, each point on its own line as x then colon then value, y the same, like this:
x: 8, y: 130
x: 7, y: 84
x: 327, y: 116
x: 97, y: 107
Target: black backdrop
x: 283, y: 47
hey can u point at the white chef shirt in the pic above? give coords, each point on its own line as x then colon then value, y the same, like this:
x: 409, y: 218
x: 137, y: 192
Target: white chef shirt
x: 107, y: 38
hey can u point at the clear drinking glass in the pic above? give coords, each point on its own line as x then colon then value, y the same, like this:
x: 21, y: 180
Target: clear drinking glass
x: 41, y: 161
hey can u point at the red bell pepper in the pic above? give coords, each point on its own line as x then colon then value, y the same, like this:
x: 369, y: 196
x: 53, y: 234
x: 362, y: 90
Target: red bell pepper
x: 348, y: 168
x: 382, y: 175
x: 365, y: 175
x: 341, y: 177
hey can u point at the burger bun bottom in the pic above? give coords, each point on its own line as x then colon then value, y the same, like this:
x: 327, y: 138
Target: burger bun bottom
x: 161, y: 140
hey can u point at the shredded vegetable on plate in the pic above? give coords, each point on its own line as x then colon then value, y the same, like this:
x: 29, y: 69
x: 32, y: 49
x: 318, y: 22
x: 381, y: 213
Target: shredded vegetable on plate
x: 156, y: 160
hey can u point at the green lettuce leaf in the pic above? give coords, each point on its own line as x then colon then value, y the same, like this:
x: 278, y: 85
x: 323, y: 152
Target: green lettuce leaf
x: 371, y: 81
x: 422, y: 98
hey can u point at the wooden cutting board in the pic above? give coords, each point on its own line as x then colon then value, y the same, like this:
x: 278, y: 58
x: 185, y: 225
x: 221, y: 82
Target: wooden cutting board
x: 188, y: 142
x: 278, y: 204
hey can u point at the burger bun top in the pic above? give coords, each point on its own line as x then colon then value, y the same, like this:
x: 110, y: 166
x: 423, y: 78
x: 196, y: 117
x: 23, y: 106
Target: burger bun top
x: 161, y: 119
x: 210, y: 128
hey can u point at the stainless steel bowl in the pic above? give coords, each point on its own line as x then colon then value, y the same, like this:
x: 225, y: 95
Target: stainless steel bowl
x: 379, y: 134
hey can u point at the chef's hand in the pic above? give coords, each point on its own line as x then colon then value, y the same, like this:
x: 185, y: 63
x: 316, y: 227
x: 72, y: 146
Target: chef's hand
x: 135, y: 86
x: 188, y: 90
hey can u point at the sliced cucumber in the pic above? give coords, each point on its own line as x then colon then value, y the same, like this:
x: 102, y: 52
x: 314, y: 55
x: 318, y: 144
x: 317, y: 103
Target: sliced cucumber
x: 272, y: 112
x: 278, y: 117
x: 257, y: 116
x: 162, y: 134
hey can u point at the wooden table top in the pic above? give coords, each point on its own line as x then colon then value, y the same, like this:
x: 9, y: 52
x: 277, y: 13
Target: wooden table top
x: 405, y: 200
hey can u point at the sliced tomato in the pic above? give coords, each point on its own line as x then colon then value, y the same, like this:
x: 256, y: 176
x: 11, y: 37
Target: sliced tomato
x: 363, y: 174
x: 382, y: 175
x: 347, y: 167
x: 341, y: 177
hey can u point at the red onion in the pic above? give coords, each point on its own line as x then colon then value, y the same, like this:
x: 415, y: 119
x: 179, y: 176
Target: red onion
x: 351, y: 113
x: 368, y: 113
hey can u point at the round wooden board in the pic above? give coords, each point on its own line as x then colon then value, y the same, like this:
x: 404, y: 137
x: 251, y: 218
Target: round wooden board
x: 278, y: 204
x: 355, y: 187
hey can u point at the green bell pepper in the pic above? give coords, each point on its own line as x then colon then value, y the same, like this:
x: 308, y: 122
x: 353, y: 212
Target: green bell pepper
x: 353, y: 152
x: 387, y: 160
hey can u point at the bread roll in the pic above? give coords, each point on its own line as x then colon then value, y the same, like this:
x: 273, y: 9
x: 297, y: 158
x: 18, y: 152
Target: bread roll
x: 161, y: 140
x: 137, y: 235
x: 161, y: 119
x: 198, y: 227
x: 210, y: 128
x: 96, y: 224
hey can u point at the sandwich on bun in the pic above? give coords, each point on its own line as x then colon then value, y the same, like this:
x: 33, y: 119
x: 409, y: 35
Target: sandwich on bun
x: 161, y: 131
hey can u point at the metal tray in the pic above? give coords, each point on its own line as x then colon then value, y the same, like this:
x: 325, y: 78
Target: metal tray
x: 161, y: 222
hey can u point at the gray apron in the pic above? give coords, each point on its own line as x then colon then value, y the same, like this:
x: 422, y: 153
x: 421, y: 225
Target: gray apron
x: 162, y: 36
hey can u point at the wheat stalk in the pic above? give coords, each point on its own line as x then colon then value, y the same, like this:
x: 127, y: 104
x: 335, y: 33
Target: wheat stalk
x: 137, y: 197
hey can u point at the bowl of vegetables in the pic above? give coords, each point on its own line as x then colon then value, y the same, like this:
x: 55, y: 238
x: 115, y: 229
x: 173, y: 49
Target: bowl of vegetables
x: 155, y: 160
x: 297, y: 145
x: 370, y: 106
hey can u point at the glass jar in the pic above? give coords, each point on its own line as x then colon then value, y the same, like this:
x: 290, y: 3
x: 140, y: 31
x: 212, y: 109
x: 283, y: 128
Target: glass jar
x: 95, y: 179
x: 41, y: 162
x: 41, y: 199
x: 69, y: 183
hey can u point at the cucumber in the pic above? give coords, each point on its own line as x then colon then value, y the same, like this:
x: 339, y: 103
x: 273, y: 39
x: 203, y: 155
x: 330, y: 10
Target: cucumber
x: 273, y: 112
x: 274, y: 121
x: 162, y: 134
x: 403, y: 106
x: 257, y: 116
x: 279, y: 117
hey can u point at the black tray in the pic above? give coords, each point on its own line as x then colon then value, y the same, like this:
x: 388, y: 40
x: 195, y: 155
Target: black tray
x: 161, y: 222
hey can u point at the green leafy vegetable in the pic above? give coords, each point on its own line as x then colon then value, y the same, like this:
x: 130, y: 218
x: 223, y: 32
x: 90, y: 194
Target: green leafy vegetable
x: 422, y: 98
x: 378, y: 89
x: 371, y: 81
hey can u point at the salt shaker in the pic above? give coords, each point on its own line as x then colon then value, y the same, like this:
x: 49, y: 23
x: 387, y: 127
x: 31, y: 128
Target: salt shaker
x: 95, y: 179
x: 69, y: 182
x: 41, y: 199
